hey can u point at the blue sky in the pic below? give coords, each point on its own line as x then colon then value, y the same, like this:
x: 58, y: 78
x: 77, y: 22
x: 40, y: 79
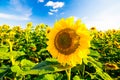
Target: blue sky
x: 104, y: 14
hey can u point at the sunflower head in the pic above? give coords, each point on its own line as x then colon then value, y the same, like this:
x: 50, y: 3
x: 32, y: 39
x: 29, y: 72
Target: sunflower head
x: 42, y: 25
x: 101, y: 34
x: 69, y: 41
x: 48, y: 29
x: 118, y: 46
x: 5, y: 27
x: 29, y: 24
x: 17, y: 28
x: 93, y: 29
x: 110, y: 66
x: 114, y: 31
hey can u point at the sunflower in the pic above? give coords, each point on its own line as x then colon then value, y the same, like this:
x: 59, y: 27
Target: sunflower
x: 110, y: 66
x: 69, y: 41
x: 48, y: 30
x: 93, y: 29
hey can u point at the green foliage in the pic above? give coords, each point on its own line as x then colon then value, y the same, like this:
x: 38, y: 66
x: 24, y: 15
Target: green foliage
x: 107, y: 43
x: 3, y: 48
x: 23, y: 56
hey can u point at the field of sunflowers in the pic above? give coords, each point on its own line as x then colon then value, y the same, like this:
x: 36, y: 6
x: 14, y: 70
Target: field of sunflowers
x: 67, y: 51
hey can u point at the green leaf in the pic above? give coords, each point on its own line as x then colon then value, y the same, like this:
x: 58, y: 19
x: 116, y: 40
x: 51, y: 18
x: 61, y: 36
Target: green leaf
x: 4, y: 48
x: 94, y: 62
x: 48, y: 77
x: 8, y: 55
x: 42, y: 50
x: 54, y: 76
x: 27, y: 64
x: 3, y: 52
x: 16, y: 54
x: 48, y: 66
x: 76, y: 77
x: 4, y: 55
x: 47, y: 62
x: 99, y: 71
x: 17, y: 70
x: 104, y: 75
x: 3, y: 68
x: 94, y: 53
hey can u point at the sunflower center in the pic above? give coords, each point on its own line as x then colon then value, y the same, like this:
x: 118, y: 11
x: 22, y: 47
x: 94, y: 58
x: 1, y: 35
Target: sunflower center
x: 66, y: 41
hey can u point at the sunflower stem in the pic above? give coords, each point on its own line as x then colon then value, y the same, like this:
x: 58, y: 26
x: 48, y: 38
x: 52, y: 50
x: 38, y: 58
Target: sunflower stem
x: 83, y: 70
x: 68, y: 72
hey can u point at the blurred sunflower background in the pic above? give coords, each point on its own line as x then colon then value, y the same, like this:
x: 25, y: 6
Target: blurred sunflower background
x: 39, y: 40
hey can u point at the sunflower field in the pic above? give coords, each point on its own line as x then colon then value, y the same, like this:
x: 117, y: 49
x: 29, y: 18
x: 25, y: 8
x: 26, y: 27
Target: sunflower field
x: 68, y: 51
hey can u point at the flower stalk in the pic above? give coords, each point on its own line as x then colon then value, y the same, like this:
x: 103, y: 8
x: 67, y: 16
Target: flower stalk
x: 68, y: 72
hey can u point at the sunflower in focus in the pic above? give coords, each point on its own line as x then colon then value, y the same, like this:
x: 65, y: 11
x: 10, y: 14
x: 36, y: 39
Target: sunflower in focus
x: 69, y: 41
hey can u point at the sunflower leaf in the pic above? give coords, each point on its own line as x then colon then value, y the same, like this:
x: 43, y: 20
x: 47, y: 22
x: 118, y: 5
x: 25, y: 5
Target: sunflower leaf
x: 4, y: 55
x: 4, y: 48
x: 27, y: 64
x: 99, y: 71
x: 3, y: 52
x: 47, y: 66
x: 16, y: 54
x: 76, y: 77
x: 94, y: 53
x: 17, y: 70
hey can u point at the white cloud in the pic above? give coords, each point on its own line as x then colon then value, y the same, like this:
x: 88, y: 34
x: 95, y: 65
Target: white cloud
x: 13, y: 17
x: 54, y: 10
x: 40, y: 0
x: 19, y: 9
x: 55, y: 5
x: 50, y: 13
